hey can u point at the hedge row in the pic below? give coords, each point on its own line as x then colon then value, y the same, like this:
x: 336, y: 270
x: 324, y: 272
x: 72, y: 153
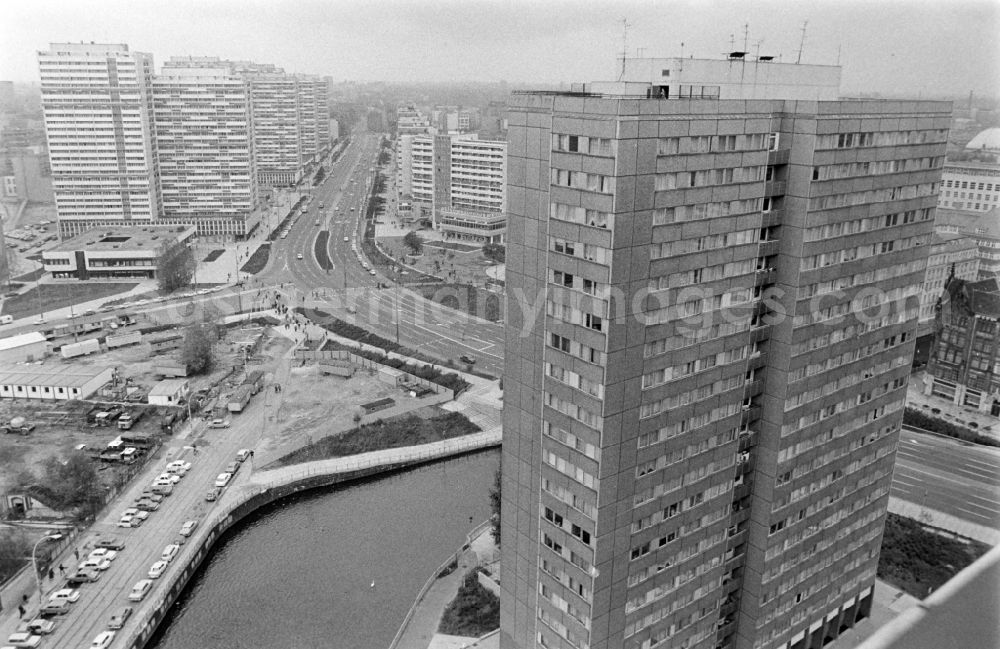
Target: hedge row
x: 916, y: 419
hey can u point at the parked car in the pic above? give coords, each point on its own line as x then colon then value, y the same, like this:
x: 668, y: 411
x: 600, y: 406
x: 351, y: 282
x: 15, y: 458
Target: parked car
x: 54, y: 607
x: 117, y: 620
x: 103, y: 640
x: 242, y: 454
x: 147, y: 505
x: 212, y: 494
x: 170, y: 552
x: 164, y: 489
x: 110, y: 544
x: 140, y: 590
x: 149, y: 494
x: 38, y: 626
x: 219, y: 423
x: 468, y: 360
x: 223, y: 479
x: 172, y: 478
x: 95, y: 564
x: 128, y: 520
x: 67, y: 594
x: 233, y: 467
x: 179, y: 467
x: 158, y: 569
x: 19, y: 640
x: 188, y: 528
x: 83, y: 577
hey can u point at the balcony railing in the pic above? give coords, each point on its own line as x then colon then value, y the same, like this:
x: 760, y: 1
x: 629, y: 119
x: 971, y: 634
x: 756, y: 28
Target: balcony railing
x: 775, y: 188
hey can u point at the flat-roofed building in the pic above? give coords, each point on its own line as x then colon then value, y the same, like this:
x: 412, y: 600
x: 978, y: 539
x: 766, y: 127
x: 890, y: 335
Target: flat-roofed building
x: 970, y: 186
x: 52, y: 382
x: 115, y: 253
x: 24, y: 348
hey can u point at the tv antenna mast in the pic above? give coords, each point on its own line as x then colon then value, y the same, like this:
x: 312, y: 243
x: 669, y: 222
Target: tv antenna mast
x: 802, y: 42
x: 625, y: 25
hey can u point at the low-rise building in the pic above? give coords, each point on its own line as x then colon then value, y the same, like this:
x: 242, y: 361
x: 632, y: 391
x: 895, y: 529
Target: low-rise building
x: 52, y: 382
x: 964, y: 366
x: 24, y: 348
x: 477, y: 227
x: 951, y: 255
x: 982, y: 227
x: 115, y: 253
x: 971, y: 186
x: 169, y: 392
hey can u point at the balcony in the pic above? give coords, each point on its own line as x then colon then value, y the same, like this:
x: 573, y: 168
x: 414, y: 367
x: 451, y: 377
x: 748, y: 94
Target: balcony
x: 747, y: 441
x: 767, y: 248
x: 772, y: 218
x: 764, y: 277
x: 729, y: 608
x: 753, y: 388
x: 778, y: 157
x: 741, y: 491
x: 774, y: 188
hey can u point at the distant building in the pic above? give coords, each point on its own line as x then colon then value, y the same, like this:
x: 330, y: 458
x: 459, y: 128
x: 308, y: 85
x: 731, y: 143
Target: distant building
x: 983, y: 228
x: 26, y: 175
x: 114, y: 253
x: 458, y: 181
x: 52, y: 382
x: 964, y: 366
x: 204, y: 143
x: 410, y: 121
x: 971, y: 186
x: 97, y: 103
x: 988, y: 141
x: 952, y: 255
x: 24, y: 348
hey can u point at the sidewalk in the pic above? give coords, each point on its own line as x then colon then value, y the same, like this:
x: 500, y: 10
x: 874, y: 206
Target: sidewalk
x: 887, y: 603
x: 945, y: 521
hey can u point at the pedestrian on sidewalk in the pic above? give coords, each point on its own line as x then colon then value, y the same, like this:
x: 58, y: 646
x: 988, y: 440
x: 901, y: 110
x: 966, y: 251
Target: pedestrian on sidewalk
x: 20, y: 611
x: 77, y: 553
x: 62, y: 570
x: 24, y: 598
x: 52, y: 574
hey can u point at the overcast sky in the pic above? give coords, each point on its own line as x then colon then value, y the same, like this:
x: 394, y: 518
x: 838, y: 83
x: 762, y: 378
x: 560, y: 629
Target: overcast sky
x: 919, y: 47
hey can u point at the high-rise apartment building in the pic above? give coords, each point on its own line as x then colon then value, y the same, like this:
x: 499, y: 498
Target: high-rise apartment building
x: 458, y: 181
x: 204, y: 138
x: 97, y: 102
x: 713, y: 278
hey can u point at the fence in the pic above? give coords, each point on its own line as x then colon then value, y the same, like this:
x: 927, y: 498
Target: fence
x: 361, y: 361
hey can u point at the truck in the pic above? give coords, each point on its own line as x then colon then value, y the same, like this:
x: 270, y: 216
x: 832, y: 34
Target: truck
x: 81, y: 348
x: 129, y: 419
x: 122, y: 339
x: 171, y: 369
x: 18, y: 426
x: 255, y: 379
x: 239, y: 398
x: 165, y: 343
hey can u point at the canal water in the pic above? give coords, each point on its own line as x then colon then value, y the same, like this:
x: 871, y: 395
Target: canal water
x: 298, y: 574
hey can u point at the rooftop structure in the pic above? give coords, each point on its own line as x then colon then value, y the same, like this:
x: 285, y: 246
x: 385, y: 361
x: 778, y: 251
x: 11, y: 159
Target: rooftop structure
x: 52, y: 381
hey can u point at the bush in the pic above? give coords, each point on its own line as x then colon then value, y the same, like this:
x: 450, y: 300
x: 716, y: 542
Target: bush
x: 916, y: 419
x: 495, y: 252
x: 918, y: 560
x: 475, y: 611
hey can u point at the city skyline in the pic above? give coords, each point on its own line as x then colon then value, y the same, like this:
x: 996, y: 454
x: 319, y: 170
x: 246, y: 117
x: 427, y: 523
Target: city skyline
x: 433, y: 42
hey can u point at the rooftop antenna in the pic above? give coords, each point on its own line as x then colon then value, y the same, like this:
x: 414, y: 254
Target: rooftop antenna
x: 732, y: 42
x: 625, y: 25
x: 802, y: 42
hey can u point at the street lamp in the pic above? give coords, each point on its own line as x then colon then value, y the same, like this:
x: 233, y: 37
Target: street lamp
x: 34, y: 562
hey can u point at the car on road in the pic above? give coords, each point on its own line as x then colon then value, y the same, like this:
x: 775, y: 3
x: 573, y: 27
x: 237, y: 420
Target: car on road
x: 233, y: 467
x: 140, y: 589
x: 24, y: 640
x: 128, y: 520
x: 298, y: 256
x: 38, y: 626
x: 223, y: 479
x: 170, y: 552
x: 164, y: 489
x: 212, y: 494
x: 117, y: 620
x: 346, y: 239
x: 468, y: 360
x: 103, y: 640
x: 171, y: 478
x: 136, y: 513
x: 242, y: 454
x: 110, y: 544
x: 149, y: 494
x: 317, y: 221
x: 188, y: 528
x: 372, y: 273
x: 321, y: 204
x: 94, y: 564
x: 67, y: 594
x: 219, y: 423
x: 158, y: 569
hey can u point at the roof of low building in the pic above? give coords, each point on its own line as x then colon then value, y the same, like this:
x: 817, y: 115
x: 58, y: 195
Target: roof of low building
x: 147, y: 237
x: 54, y: 375
x: 20, y: 340
x: 168, y: 387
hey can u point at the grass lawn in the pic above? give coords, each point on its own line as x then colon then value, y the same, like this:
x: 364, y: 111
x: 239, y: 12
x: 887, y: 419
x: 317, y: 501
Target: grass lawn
x: 918, y: 560
x: 474, y: 612
x: 213, y: 255
x: 405, y: 430
x: 48, y: 297
x: 30, y: 277
x: 450, y: 245
x: 258, y: 260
